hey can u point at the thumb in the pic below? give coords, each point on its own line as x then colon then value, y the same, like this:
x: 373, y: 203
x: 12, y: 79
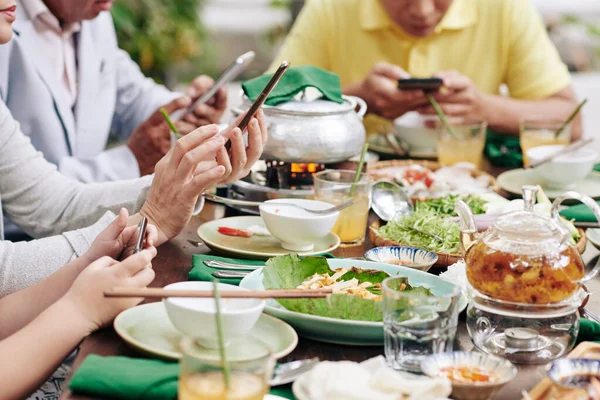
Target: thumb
x: 390, y: 71
x: 116, y: 227
x: 178, y: 103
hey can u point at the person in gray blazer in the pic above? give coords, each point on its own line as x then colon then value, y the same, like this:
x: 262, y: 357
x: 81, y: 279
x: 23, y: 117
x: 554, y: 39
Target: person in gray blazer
x: 66, y: 81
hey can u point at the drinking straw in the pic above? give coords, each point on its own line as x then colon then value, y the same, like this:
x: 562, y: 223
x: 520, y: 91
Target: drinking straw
x: 441, y: 116
x: 359, y: 168
x: 219, y: 322
x: 571, y: 117
x: 165, y: 115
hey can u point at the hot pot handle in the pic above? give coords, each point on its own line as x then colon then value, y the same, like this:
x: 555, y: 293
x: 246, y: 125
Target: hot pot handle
x: 588, y: 201
x: 362, y: 110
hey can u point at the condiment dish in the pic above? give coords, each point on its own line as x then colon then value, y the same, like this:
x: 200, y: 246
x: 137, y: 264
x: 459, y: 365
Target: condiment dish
x: 410, y: 257
x: 573, y: 373
x: 297, y: 229
x: 565, y: 170
x: 500, y: 372
x: 411, y: 128
x: 195, y: 317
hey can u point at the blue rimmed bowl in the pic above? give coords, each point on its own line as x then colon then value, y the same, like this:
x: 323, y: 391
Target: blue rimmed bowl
x: 410, y: 257
x: 499, y: 367
x: 564, y: 368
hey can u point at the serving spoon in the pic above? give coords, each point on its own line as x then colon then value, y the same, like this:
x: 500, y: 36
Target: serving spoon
x: 235, y: 202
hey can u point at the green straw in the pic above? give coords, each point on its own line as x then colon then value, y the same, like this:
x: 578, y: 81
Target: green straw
x: 220, y: 334
x: 359, y: 168
x: 571, y: 117
x: 165, y: 114
x: 441, y: 116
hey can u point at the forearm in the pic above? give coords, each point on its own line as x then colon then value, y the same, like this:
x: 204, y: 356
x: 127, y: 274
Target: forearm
x: 505, y: 114
x: 39, y: 348
x: 20, y: 308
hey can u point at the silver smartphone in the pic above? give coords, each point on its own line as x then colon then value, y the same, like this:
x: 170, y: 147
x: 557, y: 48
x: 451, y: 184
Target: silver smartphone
x: 232, y: 72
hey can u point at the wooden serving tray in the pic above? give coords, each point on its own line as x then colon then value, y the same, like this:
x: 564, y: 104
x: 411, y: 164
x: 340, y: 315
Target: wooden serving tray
x: 432, y: 165
x: 545, y: 389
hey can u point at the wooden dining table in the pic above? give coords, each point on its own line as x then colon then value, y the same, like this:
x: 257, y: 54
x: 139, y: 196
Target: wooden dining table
x: 174, y: 261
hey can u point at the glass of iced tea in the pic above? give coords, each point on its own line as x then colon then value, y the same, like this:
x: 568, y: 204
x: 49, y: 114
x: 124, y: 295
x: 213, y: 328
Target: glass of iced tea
x: 540, y: 132
x: 337, y: 186
x: 466, y: 145
x: 202, y: 376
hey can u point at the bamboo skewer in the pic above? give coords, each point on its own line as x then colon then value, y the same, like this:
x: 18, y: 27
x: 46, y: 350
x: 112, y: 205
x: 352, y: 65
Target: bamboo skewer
x: 230, y: 294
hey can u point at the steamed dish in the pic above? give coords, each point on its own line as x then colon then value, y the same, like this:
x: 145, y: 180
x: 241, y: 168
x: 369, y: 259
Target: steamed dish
x: 357, y: 292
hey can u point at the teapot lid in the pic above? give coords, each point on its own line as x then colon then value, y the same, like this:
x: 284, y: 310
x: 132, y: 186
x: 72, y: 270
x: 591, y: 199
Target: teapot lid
x: 527, y: 224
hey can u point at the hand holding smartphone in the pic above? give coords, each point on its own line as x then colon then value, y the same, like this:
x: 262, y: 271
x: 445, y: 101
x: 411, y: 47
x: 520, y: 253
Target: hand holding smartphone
x: 426, y: 85
x: 232, y: 72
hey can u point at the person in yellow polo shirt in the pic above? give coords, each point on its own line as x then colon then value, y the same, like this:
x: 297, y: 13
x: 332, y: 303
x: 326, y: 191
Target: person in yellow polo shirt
x: 474, y: 45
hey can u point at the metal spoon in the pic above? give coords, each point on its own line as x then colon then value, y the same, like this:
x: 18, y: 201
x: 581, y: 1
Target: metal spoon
x: 225, y: 265
x: 246, y: 203
x: 230, y: 274
x: 288, y: 372
x: 390, y: 201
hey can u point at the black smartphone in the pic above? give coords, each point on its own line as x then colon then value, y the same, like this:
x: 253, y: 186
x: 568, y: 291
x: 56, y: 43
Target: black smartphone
x: 262, y: 97
x: 426, y: 84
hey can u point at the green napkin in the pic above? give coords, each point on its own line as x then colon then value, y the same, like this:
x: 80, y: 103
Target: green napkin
x: 503, y: 150
x: 579, y: 213
x: 589, y: 331
x: 597, y: 167
x: 293, y: 82
x: 201, y: 272
x: 123, y: 378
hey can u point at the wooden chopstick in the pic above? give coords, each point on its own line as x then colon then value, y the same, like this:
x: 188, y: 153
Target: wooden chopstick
x: 231, y: 294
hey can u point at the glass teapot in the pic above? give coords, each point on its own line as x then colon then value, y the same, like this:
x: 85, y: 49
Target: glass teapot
x: 524, y: 257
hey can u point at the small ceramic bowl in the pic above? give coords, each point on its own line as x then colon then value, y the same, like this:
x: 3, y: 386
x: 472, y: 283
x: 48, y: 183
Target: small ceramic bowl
x: 297, y: 229
x: 501, y: 368
x: 195, y: 317
x: 560, y: 370
x: 410, y: 257
x: 410, y: 128
x: 563, y: 171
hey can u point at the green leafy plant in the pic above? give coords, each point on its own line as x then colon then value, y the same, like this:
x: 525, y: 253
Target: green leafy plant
x: 160, y: 35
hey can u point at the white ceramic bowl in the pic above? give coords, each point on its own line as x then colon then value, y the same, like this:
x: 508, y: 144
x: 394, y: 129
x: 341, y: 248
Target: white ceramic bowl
x: 411, y: 129
x: 409, y: 257
x: 297, y: 229
x: 563, y: 171
x: 195, y: 317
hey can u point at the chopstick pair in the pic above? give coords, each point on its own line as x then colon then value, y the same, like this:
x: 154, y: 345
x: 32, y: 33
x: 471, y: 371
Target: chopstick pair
x: 228, y: 294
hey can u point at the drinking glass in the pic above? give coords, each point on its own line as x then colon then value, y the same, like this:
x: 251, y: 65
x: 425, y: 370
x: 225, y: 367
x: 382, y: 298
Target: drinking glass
x: 335, y: 187
x: 416, y: 325
x: 541, y: 132
x: 465, y: 146
x: 202, y: 375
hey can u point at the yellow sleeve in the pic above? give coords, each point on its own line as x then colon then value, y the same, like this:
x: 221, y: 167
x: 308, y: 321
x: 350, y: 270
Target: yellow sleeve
x: 307, y: 42
x: 534, y: 69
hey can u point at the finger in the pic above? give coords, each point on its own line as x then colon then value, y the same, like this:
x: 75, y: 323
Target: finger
x: 180, y: 102
x: 220, y: 100
x: 204, y: 111
x: 116, y: 227
x: 199, y: 85
x: 201, y: 181
x: 207, y: 151
x: 190, y: 141
x: 204, y: 166
x: 103, y: 262
x: 185, y: 127
x: 223, y: 159
x: 238, y: 151
x: 134, y: 263
x: 448, y: 108
x: 390, y: 71
x: 262, y: 122
x: 143, y: 277
x: 255, y: 145
x: 151, y: 236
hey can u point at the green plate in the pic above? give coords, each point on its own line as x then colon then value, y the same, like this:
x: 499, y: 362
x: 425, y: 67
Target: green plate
x: 343, y: 331
x: 255, y: 247
x: 593, y: 235
x: 147, y: 329
x: 512, y: 181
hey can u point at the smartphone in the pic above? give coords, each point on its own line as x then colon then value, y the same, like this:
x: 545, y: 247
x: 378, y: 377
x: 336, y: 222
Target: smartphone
x: 262, y: 97
x: 232, y: 72
x: 427, y: 84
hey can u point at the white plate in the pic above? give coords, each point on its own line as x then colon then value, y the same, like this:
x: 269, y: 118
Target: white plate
x: 512, y: 181
x: 147, y: 329
x: 593, y: 235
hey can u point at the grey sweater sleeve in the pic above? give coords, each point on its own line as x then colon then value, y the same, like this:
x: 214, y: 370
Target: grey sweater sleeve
x: 43, y: 202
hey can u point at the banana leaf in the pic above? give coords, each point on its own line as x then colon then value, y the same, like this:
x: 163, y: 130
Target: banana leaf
x: 287, y: 272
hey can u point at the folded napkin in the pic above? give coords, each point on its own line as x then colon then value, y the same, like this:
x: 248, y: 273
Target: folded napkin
x: 579, y: 213
x: 294, y: 81
x: 589, y: 331
x: 124, y: 378
x: 597, y: 167
x: 503, y: 150
x: 201, y: 272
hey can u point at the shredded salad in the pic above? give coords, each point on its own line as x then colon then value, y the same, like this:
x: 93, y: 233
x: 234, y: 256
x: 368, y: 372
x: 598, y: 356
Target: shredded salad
x: 364, y: 290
